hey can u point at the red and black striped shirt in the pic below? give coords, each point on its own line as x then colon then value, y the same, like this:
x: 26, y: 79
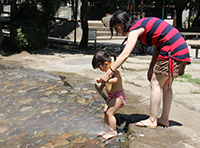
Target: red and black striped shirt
x: 166, y: 38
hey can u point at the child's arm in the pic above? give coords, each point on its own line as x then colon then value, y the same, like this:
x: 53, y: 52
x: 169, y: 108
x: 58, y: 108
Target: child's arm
x: 114, y: 78
x: 102, y: 85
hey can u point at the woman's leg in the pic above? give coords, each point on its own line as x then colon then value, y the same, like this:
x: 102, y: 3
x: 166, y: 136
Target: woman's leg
x: 167, y: 100
x: 156, y: 84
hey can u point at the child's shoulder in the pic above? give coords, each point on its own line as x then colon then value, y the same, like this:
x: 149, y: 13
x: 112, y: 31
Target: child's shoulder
x: 117, y: 72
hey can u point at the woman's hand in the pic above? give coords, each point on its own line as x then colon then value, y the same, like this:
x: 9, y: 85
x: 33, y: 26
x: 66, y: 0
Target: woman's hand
x: 149, y: 74
x: 104, y: 78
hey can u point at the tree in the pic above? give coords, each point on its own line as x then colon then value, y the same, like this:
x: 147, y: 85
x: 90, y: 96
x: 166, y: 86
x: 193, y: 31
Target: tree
x: 104, y: 6
x: 180, y: 5
x: 197, y: 7
x: 12, y: 17
x: 29, y: 24
x: 158, y: 8
x: 84, y: 24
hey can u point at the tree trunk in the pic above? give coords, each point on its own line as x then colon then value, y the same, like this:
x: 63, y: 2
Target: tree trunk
x: 196, y: 19
x: 190, y: 10
x: 189, y: 18
x: 179, y: 7
x: 84, y: 24
x: 158, y: 8
x: 179, y: 18
x: 12, y: 16
x: 198, y: 15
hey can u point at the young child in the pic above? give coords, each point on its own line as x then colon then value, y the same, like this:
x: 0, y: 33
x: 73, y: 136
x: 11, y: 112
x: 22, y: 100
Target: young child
x: 114, y: 89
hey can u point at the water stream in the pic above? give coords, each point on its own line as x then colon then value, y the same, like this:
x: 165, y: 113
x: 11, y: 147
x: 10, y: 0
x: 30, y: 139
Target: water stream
x: 37, y: 109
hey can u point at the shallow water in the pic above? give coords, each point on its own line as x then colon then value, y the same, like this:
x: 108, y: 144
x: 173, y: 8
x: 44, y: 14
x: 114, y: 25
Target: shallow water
x: 37, y: 109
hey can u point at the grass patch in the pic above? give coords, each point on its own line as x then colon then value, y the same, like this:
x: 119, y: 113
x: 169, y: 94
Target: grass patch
x: 195, y: 92
x: 189, y: 78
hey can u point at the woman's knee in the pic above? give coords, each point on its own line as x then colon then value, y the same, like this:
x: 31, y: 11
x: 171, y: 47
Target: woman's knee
x: 154, y: 82
x: 167, y: 86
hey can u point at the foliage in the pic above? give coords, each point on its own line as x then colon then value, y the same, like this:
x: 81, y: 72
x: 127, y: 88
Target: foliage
x: 28, y: 11
x: 49, y: 7
x: 28, y: 35
x: 99, y: 8
x: 189, y: 78
x: 31, y: 26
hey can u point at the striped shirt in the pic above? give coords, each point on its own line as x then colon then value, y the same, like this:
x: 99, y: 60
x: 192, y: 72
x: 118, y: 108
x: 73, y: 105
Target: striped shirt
x: 165, y: 37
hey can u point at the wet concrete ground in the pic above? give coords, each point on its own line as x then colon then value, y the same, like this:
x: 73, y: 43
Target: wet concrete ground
x: 37, y: 110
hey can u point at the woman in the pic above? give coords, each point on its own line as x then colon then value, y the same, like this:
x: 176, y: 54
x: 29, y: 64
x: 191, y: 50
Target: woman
x: 169, y: 58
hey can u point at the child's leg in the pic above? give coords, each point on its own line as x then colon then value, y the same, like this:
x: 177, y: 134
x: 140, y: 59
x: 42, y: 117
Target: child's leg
x: 113, y: 105
x: 105, y: 120
x: 167, y: 100
x: 105, y: 110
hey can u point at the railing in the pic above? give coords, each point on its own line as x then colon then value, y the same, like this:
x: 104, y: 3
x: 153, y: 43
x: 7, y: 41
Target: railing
x: 190, y: 34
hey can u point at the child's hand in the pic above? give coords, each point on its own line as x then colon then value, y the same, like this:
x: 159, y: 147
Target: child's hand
x: 98, y: 80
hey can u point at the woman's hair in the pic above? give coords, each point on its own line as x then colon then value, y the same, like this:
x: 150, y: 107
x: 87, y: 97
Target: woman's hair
x: 101, y: 57
x: 121, y: 16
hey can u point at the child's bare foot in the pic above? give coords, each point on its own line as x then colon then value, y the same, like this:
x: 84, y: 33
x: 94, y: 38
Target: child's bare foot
x: 162, y: 122
x: 101, y: 133
x: 110, y: 135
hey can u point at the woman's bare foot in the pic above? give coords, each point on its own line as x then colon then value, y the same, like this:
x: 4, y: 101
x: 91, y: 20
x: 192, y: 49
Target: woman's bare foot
x: 146, y: 123
x: 161, y: 122
x: 110, y: 135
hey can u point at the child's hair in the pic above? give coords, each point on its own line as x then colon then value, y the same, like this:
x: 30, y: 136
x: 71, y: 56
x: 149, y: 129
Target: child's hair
x: 121, y: 16
x: 101, y: 57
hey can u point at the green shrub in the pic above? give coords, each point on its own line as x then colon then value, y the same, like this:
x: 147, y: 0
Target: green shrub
x: 28, y: 11
x: 28, y: 35
x: 31, y: 25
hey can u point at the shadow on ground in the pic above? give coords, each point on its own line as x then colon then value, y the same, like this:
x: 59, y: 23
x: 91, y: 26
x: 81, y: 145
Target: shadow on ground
x: 124, y: 120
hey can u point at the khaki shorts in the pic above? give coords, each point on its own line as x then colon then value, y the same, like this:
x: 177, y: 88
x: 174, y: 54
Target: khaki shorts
x: 162, y: 68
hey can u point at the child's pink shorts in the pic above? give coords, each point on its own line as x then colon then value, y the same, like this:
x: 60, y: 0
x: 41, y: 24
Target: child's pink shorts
x: 118, y: 94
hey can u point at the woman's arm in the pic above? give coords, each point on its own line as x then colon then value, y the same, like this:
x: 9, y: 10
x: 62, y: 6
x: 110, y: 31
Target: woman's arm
x: 152, y: 64
x: 154, y: 58
x: 131, y: 42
